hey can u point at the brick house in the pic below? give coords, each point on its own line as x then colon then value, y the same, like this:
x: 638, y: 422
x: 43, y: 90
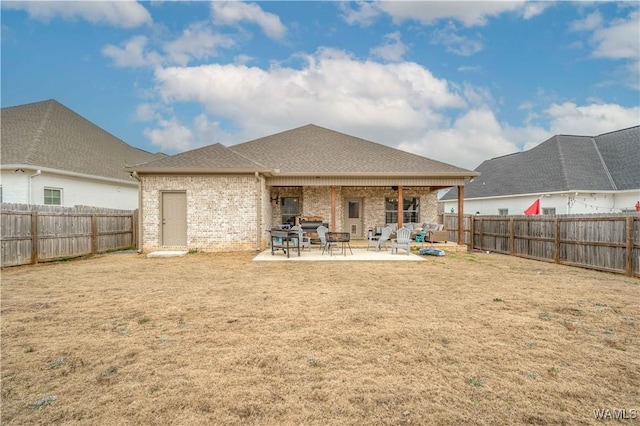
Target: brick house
x: 220, y: 198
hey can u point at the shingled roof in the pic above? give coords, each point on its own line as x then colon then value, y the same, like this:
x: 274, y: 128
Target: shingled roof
x: 608, y: 162
x: 306, y: 150
x: 49, y: 135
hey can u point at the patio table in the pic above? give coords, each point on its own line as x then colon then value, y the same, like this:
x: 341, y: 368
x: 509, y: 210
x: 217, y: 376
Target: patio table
x: 339, y: 237
x: 280, y: 240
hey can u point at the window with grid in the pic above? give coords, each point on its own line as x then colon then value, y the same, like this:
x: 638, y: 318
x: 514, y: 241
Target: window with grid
x: 52, y: 196
x: 503, y: 212
x: 548, y: 210
x: 410, y: 210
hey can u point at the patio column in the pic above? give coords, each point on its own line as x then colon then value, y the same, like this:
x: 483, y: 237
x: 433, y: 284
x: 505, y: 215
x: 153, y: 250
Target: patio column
x: 460, y: 214
x: 400, y: 207
x: 333, y: 209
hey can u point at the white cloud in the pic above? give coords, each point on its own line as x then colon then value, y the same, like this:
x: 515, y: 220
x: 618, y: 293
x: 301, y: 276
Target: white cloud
x: 196, y: 42
x: 469, y: 13
x: 145, y: 112
x: 473, y: 138
x: 460, y: 45
x: 364, y: 14
x: 392, y: 49
x: 235, y: 12
x: 591, y: 120
x: 332, y: 89
x: 589, y: 23
x: 618, y: 39
x: 126, y: 14
x: 132, y: 54
x: 399, y: 104
x: 171, y: 136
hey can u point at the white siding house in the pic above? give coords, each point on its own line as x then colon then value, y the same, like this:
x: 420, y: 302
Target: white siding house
x: 51, y: 155
x: 568, y: 174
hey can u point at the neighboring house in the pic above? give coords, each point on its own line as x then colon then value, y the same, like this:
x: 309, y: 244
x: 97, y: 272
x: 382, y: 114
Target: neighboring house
x: 51, y: 155
x: 569, y: 174
x: 228, y: 198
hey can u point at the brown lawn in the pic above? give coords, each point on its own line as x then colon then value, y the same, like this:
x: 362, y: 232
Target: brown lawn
x: 469, y: 338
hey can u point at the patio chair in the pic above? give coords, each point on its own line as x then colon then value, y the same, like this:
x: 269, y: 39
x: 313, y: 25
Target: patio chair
x: 305, y: 241
x: 383, y: 238
x: 402, y: 240
x: 372, y: 238
x: 322, y: 234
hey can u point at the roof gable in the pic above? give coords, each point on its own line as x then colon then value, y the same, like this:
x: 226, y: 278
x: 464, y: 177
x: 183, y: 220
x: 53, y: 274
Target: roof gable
x: 212, y: 158
x: 48, y: 134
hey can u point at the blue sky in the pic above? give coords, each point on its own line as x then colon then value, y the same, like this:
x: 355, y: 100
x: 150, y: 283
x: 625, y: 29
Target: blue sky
x: 459, y: 82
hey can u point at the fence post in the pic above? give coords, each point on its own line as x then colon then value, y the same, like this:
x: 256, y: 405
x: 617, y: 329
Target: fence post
x: 556, y: 240
x: 472, y: 230
x: 629, y: 249
x: 512, y: 237
x: 134, y: 228
x: 94, y: 234
x: 481, y: 234
x: 34, y: 237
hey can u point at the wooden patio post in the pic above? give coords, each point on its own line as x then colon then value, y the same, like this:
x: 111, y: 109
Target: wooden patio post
x: 333, y: 209
x: 460, y: 215
x: 400, y: 207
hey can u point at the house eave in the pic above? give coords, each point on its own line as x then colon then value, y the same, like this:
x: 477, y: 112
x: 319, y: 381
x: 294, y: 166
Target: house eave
x: 5, y: 167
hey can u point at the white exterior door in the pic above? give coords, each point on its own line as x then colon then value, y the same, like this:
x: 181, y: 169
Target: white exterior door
x: 174, y: 219
x: 353, y: 217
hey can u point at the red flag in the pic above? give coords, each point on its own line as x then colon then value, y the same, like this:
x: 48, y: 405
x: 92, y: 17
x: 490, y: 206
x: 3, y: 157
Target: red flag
x: 533, y: 208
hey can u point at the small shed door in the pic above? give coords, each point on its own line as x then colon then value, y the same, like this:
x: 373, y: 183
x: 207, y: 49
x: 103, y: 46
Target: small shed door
x: 174, y: 219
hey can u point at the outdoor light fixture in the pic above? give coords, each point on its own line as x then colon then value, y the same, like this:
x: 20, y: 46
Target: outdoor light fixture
x: 272, y: 199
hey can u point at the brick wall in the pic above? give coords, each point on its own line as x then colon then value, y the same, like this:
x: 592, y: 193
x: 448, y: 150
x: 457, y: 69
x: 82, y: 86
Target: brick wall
x: 221, y: 211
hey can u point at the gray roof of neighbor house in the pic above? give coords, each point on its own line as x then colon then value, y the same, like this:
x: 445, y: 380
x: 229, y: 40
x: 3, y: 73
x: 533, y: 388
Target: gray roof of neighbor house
x: 608, y: 162
x: 308, y: 150
x: 49, y: 135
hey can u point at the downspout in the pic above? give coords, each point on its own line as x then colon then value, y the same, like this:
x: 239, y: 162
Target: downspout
x: 136, y: 177
x: 258, y: 213
x: 37, y: 173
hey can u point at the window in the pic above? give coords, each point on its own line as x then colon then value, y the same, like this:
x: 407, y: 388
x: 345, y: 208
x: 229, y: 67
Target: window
x: 0, y: 193
x: 548, y: 210
x: 53, y: 196
x: 503, y: 212
x: 410, y: 210
x: 289, y: 210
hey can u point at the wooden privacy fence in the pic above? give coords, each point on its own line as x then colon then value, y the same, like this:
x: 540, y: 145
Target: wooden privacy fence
x: 609, y: 242
x: 32, y: 234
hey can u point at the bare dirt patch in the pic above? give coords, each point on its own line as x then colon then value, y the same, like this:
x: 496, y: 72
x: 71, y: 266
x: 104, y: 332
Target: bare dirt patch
x: 469, y: 338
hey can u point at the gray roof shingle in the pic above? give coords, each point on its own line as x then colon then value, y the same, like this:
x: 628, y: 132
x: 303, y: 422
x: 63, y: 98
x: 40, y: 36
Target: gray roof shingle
x: 313, y: 149
x: 306, y: 150
x: 212, y: 158
x: 49, y: 135
x: 606, y: 162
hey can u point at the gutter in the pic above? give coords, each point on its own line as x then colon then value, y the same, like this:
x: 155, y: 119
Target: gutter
x: 67, y: 173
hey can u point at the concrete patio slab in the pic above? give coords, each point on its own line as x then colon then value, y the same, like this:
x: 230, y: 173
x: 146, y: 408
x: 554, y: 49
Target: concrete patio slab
x: 359, y: 254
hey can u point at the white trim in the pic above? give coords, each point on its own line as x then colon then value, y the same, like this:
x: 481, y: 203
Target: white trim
x: 27, y: 167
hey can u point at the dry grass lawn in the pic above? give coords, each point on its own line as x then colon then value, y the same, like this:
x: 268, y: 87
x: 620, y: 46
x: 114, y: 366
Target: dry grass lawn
x: 469, y: 338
